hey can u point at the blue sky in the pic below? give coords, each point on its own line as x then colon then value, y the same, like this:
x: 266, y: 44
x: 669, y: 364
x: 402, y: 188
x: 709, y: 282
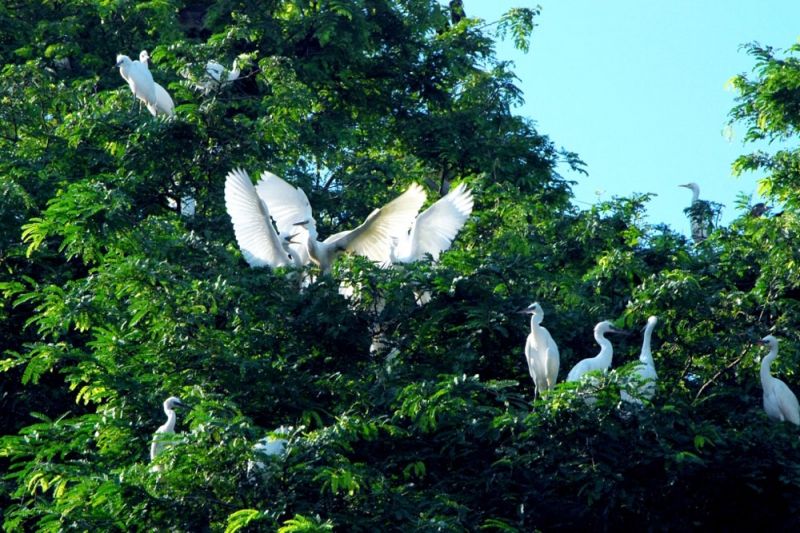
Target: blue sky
x: 638, y: 89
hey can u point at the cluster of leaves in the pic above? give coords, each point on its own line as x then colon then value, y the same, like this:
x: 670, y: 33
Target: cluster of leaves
x: 112, y: 300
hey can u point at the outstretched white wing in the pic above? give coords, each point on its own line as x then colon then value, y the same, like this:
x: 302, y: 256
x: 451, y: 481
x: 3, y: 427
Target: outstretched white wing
x: 373, y: 239
x: 252, y: 226
x: 434, y: 230
x: 287, y: 204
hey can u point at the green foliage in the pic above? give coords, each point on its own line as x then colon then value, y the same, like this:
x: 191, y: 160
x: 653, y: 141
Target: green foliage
x: 111, y: 300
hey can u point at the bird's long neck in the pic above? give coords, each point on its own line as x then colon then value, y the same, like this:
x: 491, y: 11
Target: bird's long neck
x: 536, y: 319
x: 695, y: 195
x: 646, y: 356
x: 606, y: 350
x: 169, y: 427
x: 766, y: 363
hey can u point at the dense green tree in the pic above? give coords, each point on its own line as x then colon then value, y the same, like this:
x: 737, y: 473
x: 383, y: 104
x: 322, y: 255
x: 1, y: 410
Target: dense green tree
x: 113, y: 300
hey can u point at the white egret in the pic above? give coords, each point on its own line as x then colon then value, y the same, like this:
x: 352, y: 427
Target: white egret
x: 161, y: 438
x: 699, y: 214
x: 219, y: 75
x: 780, y: 403
x: 188, y: 205
x: 602, y: 360
x: 288, y: 205
x: 645, y: 371
x: 139, y: 80
x: 259, y: 241
x: 372, y: 239
x: 272, y: 445
x: 541, y: 351
x: 433, y: 231
x: 163, y: 103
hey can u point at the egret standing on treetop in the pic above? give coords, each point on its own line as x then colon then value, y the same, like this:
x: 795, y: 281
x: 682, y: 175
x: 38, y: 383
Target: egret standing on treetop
x: 372, y: 239
x: 252, y: 224
x: 600, y: 361
x: 139, y: 80
x: 159, y: 438
x: 780, y: 403
x: 541, y: 351
x: 164, y: 103
x: 699, y: 214
x: 645, y: 371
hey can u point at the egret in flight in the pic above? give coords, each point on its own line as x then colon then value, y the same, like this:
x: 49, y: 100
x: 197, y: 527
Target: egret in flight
x: 645, y: 371
x: 161, y: 436
x: 139, y: 80
x: 699, y: 214
x: 164, y: 103
x: 373, y: 239
x: 602, y: 360
x: 780, y: 403
x: 252, y: 224
x: 541, y: 351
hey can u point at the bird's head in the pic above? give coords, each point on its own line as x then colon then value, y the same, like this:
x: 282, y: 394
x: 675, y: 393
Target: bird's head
x: 607, y: 327
x: 769, y: 340
x: 172, y: 402
x: 122, y: 60
x: 691, y: 185
x: 651, y: 321
x: 533, y: 309
x: 144, y: 57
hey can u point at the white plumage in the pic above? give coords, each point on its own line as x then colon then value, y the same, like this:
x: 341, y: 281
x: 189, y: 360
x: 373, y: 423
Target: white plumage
x: 163, y: 103
x: 139, y: 80
x: 219, y: 74
x: 269, y: 446
x: 699, y: 214
x: 433, y: 231
x: 161, y: 437
x: 372, y: 239
x: 259, y: 241
x: 602, y: 360
x: 645, y: 371
x: 541, y: 351
x: 780, y: 403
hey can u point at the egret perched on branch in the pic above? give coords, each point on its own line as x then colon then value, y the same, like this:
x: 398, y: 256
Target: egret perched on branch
x: 373, y: 239
x: 645, y: 371
x: 270, y: 446
x: 700, y: 215
x: 541, y: 351
x: 139, y: 80
x: 219, y: 75
x: 780, y: 403
x: 259, y: 241
x: 164, y: 103
x: 600, y: 361
x: 160, y: 438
